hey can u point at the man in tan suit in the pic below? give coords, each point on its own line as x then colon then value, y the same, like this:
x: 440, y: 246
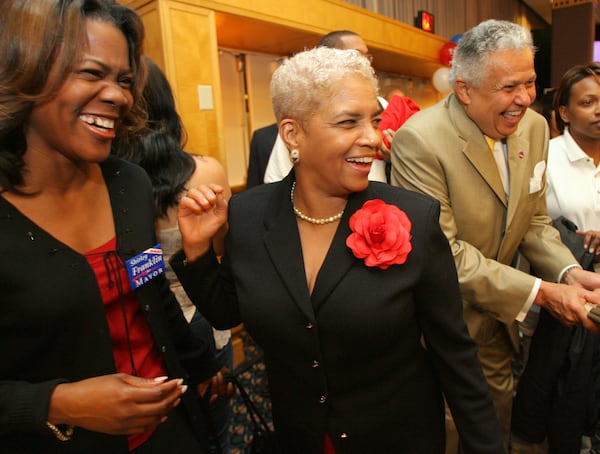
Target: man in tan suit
x: 482, y: 153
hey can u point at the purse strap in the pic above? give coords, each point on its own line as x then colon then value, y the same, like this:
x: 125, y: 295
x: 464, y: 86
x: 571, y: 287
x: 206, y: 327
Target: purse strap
x: 258, y: 421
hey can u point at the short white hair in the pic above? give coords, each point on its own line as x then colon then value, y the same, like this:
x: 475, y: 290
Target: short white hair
x: 304, y: 81
x: 474, y: 48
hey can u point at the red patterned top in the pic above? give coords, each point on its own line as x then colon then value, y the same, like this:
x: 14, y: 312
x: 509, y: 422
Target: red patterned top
x: 134, y: 349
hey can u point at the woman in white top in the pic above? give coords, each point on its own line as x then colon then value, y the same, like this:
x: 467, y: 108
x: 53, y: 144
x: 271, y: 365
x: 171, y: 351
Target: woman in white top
x: 574, y: 156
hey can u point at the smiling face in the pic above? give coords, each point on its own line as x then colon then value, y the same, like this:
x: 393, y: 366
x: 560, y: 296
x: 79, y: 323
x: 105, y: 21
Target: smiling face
x: 79, y: 122
x: 582, y: 114
x: 339, y: 141
x: 499, y: 102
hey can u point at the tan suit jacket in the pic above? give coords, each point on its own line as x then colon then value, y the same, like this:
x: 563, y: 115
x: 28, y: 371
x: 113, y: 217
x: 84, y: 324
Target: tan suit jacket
x: 440, y: 151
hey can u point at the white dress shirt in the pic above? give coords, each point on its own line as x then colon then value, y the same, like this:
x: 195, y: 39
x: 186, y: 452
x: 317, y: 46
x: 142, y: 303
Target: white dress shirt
x: 573, y: 183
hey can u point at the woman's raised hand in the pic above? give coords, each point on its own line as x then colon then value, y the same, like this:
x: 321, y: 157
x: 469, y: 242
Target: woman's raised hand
x: 202, y: 212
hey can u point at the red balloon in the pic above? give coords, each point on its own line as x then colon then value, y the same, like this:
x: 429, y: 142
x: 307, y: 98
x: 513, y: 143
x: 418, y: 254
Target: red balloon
x: 446, y: 53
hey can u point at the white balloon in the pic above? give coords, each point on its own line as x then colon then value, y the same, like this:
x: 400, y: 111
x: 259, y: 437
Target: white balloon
x: 440, y: 80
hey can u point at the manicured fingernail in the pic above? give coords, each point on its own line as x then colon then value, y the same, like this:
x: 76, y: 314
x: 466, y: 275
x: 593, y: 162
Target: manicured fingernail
x: 184, y: 389
x: 160, y: 379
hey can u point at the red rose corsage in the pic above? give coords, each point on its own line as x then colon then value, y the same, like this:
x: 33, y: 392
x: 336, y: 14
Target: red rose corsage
x: 380, y: 234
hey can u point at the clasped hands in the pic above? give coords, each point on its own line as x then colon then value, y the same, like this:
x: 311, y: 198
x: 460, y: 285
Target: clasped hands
x: 571, y: 303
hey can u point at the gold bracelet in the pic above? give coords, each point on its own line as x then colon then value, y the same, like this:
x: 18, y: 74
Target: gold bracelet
x: 58, y: 434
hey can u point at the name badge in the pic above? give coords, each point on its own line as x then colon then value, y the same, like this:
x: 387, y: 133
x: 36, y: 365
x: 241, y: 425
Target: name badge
x: 145, y: 266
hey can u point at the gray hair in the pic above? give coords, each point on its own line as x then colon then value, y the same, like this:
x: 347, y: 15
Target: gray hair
x: 474, y: 48
x: 303, y: 82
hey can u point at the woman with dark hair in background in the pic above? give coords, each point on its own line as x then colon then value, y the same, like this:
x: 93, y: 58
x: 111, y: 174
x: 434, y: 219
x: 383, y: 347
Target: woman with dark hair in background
x: 92, y: 361
x: 158, y: 148
x: 544, y: 105
x: 574, y: 156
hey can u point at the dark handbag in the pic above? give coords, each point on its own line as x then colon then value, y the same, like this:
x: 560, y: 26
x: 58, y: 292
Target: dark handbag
x: 574, y: 242
x: 263, y: 439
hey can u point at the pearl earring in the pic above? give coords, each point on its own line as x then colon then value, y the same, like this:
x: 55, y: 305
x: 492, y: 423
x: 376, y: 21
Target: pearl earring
x: 294, y: 156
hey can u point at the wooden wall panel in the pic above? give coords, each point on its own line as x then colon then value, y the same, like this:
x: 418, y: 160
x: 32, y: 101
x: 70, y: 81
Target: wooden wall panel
x: 194, y: 41
x: 572, y: 48
x: 182, y: 40
x: 153, y: 43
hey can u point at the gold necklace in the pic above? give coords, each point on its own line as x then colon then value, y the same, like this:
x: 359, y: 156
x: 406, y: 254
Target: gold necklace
x: 306, y: 218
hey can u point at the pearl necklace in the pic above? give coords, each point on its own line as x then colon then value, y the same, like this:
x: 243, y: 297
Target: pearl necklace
x: 306, y: 218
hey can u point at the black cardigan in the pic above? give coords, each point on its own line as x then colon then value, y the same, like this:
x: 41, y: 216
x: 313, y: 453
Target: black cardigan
x: 53, y: 326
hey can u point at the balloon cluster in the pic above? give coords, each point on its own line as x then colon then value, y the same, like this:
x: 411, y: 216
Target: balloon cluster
x: 440, y: 76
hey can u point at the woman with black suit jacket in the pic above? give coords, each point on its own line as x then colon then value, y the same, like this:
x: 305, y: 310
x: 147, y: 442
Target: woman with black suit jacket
x: 348, y: 285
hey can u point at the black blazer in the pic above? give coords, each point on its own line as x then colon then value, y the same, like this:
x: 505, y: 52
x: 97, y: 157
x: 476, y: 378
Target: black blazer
x: 558, y: 398
x: 261, y: 145
x: 348, y: 359
x: 53, y: 325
